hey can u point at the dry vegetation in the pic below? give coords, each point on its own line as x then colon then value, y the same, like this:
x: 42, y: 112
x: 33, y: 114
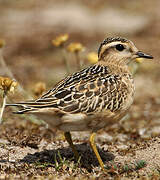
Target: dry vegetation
x: 28, y: 150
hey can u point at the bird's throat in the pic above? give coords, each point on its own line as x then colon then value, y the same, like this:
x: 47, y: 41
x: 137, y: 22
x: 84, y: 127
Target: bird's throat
x: 119, y: 68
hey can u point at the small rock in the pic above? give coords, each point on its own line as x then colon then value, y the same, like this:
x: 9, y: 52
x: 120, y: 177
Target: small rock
x: 141, y: 131
x: 122, y: 137
x: 104, y: 138
x: 122, y: 147
x: 146, y: 136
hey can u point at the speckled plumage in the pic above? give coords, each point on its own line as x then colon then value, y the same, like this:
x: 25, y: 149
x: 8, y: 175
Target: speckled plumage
x: 92, y: 98
x: 76, y: 93
x: 96, y: 90
x: 90, y: 91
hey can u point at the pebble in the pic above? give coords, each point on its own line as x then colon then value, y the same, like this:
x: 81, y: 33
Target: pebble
x: 146, y: 136
x: 141, y: 131
x: 123, y: 147
x: 122, y: 137
x: 104, y: 138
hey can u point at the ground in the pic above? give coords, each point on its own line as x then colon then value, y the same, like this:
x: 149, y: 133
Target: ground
x: 29, y: 149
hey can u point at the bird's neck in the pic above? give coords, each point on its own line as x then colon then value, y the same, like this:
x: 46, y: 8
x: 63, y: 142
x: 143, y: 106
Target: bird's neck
x: 119, y: 68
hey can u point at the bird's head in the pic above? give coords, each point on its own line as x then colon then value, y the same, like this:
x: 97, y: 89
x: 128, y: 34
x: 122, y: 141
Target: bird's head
x: 119, y: 50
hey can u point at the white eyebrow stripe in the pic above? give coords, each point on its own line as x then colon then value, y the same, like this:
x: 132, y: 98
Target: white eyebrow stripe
x: 107, y: 46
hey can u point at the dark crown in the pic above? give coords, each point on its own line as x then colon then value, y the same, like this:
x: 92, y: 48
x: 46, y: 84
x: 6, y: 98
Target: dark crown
x: 109, y: 40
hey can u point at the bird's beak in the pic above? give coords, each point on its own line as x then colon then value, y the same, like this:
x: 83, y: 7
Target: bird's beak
x: 143, y: 55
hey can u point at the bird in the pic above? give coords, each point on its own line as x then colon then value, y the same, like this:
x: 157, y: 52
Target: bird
x: 93, y: 98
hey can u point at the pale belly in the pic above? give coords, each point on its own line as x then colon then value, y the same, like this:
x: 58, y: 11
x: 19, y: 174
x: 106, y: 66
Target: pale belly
x: 81, y: 122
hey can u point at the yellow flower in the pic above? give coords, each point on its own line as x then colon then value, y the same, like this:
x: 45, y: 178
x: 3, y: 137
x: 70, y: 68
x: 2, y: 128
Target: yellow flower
x: 60, y: 40
x: 92, y: 57
x: 139, y: 60
x: 7, y: 84
x: 2, y: 43
x: 75, y: 47
x: 39, y: 88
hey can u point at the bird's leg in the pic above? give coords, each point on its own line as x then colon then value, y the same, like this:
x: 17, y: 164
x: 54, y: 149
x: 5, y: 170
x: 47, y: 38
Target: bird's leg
x: 93, y: 145
x: 69, y: 140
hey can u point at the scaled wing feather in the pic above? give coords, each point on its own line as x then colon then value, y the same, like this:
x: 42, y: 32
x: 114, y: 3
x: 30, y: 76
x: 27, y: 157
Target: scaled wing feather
x: 87, y: 91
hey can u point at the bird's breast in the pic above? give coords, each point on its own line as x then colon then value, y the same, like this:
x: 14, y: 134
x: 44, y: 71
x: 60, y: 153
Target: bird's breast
x: 130, y: 89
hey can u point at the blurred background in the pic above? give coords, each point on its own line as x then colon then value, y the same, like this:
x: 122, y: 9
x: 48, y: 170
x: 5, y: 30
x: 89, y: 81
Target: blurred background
x: 29, y: 28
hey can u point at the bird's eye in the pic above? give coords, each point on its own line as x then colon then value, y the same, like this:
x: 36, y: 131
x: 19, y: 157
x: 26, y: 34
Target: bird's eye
x: 119, y: 47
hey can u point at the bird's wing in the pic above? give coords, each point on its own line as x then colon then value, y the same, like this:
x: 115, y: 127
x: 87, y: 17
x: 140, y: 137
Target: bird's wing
x: 90, y: 90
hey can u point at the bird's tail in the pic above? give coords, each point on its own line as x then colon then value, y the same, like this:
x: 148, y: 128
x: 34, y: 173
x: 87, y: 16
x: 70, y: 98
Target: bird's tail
x: 31, y: 107
x: 23, y: 107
